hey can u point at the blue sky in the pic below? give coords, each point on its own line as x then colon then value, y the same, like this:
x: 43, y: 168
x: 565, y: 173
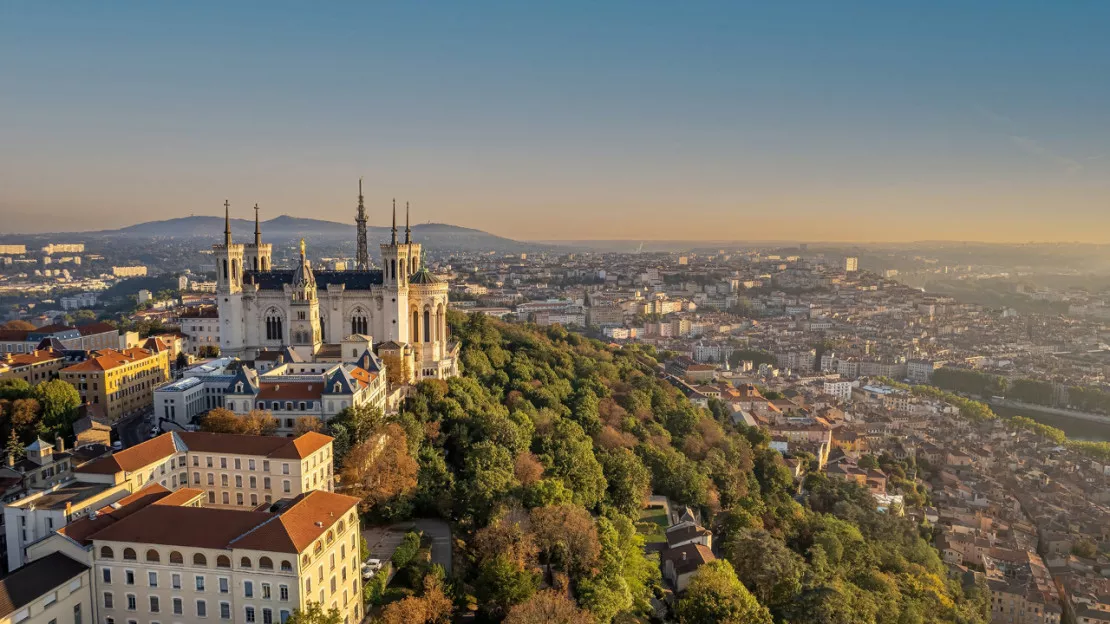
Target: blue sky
x: 805, y: 120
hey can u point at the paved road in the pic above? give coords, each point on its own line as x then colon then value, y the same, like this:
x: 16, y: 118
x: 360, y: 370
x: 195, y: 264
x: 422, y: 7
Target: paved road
x: 382, y: 541
x: 135, y: 429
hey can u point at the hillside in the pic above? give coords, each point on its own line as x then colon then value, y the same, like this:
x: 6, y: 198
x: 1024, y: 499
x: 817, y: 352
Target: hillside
x: 542, y: 455
x: 284, y: 228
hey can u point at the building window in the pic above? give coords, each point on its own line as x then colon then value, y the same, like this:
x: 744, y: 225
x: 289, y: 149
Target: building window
x: 106, y: 574
x: 178, y: 606
x: 154, y: 604
x: 250, y: 614
x: 285, y: 486
x: 248, y: 589
x: 266, y: 591
x: 224, y: 585
x: 152, y: 578
x: 267, y: 616
x: 283, y: 592
x: 202, y: 608
x: 132, y: 602
x: 129, y: 577
x: 77, y: 613
x: 175, y: 581
x: 225, y: 611
x: 109, y: 601
x: 200, y: 583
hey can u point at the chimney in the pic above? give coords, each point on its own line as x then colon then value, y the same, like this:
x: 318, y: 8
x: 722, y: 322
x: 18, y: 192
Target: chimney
x: 59, y: 444
x: 684, y: 555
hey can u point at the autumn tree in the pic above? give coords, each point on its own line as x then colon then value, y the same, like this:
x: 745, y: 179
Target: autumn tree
x: 716, y: 596
x: 432, y: 607
x: 380, y: 468
x: 509, y: 535
x: 18, y: 325
x: 220, y: 420
x: 528, y: 469
x: 548, y: 607
x: 567, y: 537
x: 766, y: 566
x: 258, y: 422
x: 308, y: 424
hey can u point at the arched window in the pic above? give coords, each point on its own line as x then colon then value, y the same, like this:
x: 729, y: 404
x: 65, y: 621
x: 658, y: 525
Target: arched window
x: 427, y: 325
x: 286, y: 566
x: 393, y: 268
x: 265, y: 563
x: 223, y: 561
x: 152, y: 555
x: 342, y: 526
x: 106, y: 553
x: 304, y: 561
x: 319, y: 548
x: 129, y: 554
x: 331, y: 536
x: 415, y: 329
x: 273, y: 325
x: 200, y: 560
x: 176, y: 558
x: 245, y: 562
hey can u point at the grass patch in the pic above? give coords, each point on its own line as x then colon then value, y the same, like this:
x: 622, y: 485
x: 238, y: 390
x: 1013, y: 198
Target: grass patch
x: 653, y: 524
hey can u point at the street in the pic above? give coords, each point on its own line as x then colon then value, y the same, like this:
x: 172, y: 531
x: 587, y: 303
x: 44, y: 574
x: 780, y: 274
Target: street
x: 135, y: 429
x: 382, y: 541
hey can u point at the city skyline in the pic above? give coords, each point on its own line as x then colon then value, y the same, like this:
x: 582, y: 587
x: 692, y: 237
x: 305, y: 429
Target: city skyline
x: 618, y: 122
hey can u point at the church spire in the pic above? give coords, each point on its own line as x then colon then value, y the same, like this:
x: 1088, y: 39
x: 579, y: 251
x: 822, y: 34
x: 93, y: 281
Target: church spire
x: 257, y: 229
x: 362, y: 256
x: 227, y: 223
x: 408, y: 232
x: 393, y: 240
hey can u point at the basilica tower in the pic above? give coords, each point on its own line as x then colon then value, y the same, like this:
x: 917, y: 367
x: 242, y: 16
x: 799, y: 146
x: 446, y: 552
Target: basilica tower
x: 304, y: 310
x: 395, y: 273
x: 229, y: 289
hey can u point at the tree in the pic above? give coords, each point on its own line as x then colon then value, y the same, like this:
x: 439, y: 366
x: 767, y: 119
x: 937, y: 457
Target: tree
x: 182, y: 360
x: 528, y: 469
x: 209, y: 351
x: 220, y: 420
x: 84, y: 317
x: 360, y: 421
x: 60, y: 402
x: 14, y: 388
x: 766, y: 566
x: 567, y: 538
x: 432, y: 607
x: 18, y: 325
x: 380, y: 468
x: 488, y: 477
x: 715, y: 596
x: 548, y: 607
x: 315, y: 614
x: 258, y: 422
x: 502, y: 584
x: 1084, y: 547
x: 23, y: 415
x: 15, y: 448
x: 307, y: 424
x: 629, y: 481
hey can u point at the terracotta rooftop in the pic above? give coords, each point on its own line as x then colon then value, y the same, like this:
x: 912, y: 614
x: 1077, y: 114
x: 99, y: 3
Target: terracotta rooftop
x: 107, y: 359
x: 80, y: 530
x: 158, y: 449
x: 291, y: 531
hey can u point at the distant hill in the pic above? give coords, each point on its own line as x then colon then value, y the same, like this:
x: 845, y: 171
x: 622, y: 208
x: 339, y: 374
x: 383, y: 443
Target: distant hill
x: 441, y: 236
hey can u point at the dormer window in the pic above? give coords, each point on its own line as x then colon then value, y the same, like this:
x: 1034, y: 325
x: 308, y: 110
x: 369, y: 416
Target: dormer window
x: 239, y: 388
x: 338, y: 387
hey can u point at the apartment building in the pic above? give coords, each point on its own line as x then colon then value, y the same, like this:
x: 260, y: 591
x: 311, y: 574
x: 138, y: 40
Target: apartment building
x: 229, y: 471
x: 87, y: 337
x: 34, y: 367
x: 116, y: 383
x: 238, y: 471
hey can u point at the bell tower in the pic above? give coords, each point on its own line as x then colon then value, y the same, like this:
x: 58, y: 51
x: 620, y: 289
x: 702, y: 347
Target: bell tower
x: 257, y: 254
x: 395, y: 276
x: 229, y: 289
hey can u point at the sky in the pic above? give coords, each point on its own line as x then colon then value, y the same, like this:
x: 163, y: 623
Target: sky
x: 818, y: 121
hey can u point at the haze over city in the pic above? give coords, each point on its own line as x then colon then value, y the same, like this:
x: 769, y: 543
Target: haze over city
x: 806, y: 121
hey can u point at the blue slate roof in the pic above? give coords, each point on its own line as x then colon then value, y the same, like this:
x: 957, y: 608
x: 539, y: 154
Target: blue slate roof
x: 351, y: 280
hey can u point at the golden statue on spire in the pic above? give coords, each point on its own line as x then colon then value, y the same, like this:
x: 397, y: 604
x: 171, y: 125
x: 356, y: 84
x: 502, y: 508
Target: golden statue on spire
x: 302, y: 248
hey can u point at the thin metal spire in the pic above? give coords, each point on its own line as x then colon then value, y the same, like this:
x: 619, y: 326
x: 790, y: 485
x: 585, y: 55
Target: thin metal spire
x: 227, y: 223
x: 408, y: 232
x: 362, y: 255
x: 393, y: 241
x: 257, y: 228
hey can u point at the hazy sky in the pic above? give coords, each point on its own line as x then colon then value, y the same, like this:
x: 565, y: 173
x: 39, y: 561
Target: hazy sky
x: 566, y: 120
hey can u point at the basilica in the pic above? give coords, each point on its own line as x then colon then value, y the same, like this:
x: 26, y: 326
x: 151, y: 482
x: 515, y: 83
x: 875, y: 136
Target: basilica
x: 400, y: 309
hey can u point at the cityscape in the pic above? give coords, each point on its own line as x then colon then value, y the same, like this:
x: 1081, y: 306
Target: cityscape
x: 420, y: 396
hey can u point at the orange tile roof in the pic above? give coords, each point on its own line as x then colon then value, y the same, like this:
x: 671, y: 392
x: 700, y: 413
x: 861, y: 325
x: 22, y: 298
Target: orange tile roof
x: 134, y: 458
x: 303, y: 446
x: 35, y: 357
x: 300, y: 524
x: 107, y: 359
x: 82, y: 529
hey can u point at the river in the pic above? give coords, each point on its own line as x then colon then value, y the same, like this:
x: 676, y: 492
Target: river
x: 1074, y: 428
